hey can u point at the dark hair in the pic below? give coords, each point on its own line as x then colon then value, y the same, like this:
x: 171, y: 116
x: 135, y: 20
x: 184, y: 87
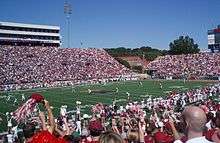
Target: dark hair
x: 95, y: 128
x: 29, y: 130
x: 217, y: 119
x: 180, y: 127
x: 69, y: 138
x: 150, y: 128
x: 210, y: 116
x: 218, y: 114
x: 95, y: 133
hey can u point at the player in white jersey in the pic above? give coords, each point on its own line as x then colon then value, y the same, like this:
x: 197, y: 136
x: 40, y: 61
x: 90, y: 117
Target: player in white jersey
x: 22, y: 97
x: 140, y: 83
x: 73, y: 89
x: 15, y: 101
x: 128, y: 95
x: 116, y: 89
x: 161, y: 86
x: 8, y: 97
x: 89, y: 91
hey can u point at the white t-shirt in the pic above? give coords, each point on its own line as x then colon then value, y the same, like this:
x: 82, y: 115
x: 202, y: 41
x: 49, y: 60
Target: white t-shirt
x: 10, y: 138
x: 195, y: 140
x: 208, y: 125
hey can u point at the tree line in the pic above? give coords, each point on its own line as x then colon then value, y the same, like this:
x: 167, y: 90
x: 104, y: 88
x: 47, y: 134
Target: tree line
x: 181, y: 45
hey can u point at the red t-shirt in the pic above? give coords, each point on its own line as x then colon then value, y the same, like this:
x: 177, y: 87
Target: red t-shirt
x: 161, y: 137
x: 184, y: 139
x: 46, y: 137
x: 148, y: 139
x: 208, y: 134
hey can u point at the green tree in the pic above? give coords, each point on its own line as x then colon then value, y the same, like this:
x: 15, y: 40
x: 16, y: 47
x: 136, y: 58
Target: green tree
x: 150, y: 56
x: 183, y: 45
x: 138, y: 69
x: 148, y: 52
x: 123, y: 62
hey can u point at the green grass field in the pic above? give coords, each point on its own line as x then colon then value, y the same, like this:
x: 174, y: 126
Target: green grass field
x: 69, y: 95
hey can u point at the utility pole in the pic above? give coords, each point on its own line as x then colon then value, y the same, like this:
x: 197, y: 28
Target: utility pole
x: 68, y: 12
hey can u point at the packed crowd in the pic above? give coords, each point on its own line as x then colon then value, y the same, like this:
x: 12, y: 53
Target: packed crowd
x: 191, y: 117
x: 193, y: 65
x: 47, y: 66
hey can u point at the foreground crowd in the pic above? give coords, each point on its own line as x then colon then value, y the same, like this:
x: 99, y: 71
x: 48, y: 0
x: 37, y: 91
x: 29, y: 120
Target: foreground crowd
x: 29, y: 67
x: 192, y: 117
x: 193, y: 65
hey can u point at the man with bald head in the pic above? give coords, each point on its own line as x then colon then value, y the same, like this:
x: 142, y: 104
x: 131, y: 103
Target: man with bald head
x: 195, y: 120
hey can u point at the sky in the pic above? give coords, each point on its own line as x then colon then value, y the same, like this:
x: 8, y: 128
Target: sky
x: 120, y: 23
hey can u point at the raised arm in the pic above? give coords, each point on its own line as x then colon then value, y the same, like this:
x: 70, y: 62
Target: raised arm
x: 114, y: 126
x: 175, y: 133
x: 66, y: 126
x: 50, y: 116
x: 141, y: 133
x: 42, y: 119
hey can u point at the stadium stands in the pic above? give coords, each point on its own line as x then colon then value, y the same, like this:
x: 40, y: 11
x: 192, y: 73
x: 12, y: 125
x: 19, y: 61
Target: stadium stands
x: 193, y: 65
x: 20, y: 65
x: 165, y: 119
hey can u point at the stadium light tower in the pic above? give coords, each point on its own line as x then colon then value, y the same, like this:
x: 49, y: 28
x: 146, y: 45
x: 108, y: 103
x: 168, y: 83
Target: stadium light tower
x: 68, y: 12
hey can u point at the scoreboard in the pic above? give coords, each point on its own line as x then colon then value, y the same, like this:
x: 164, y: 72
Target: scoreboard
x: 214, y: 39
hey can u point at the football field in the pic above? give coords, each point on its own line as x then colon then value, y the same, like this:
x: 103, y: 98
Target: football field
x: 104, y: 93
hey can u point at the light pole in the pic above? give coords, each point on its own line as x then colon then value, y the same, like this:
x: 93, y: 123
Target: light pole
x: 68, y: 12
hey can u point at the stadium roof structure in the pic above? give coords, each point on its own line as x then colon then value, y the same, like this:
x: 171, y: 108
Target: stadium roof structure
x: 24, y: 25
x: 12, y: 33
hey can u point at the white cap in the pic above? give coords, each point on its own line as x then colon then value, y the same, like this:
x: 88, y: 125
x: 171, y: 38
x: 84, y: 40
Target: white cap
x: 78, y: 112
x: 160, y: 124
x: 98, y: 115
x: 9, y: 124
x: 86, y: 116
